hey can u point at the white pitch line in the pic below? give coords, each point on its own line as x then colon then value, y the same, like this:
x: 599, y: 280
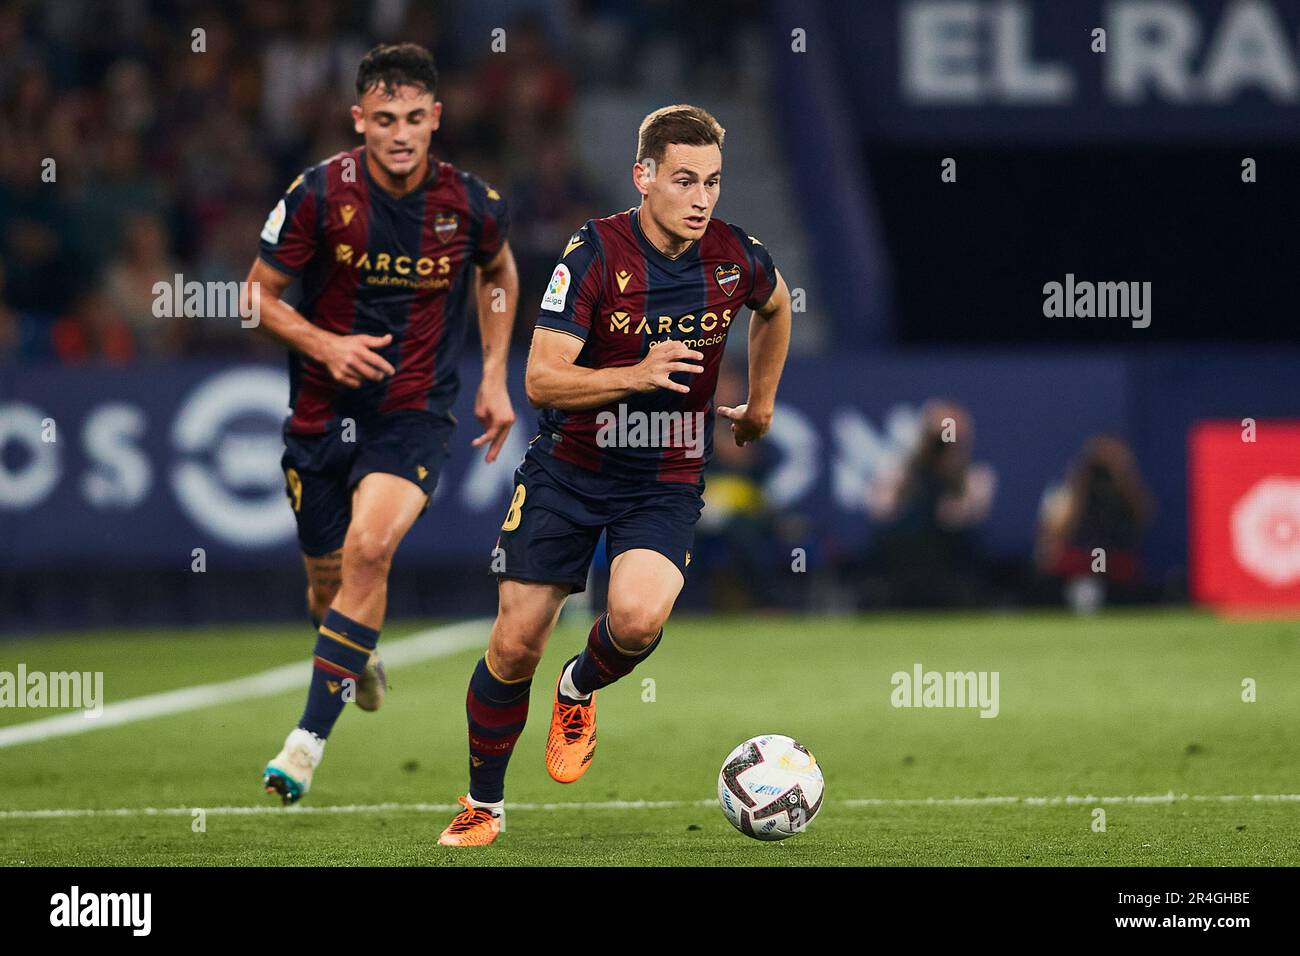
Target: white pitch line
x: 1072, y: 800
x: 1066, y: 800
x: 421, y: 646
x: 344, y: 808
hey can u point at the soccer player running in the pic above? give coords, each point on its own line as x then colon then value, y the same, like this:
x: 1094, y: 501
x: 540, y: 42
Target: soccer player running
x: 629, y: 337
x: 389, y: 245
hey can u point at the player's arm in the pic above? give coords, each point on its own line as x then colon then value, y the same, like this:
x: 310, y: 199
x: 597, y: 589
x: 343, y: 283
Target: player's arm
x: 769, y: 341
x: 350, y: 359
x: 497, y: 294
x: 567, y: 316
x: 554, y: 381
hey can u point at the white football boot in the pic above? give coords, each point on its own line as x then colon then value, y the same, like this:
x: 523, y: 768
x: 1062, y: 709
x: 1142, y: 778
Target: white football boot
x: 373, y: 685
x: 289, y: 773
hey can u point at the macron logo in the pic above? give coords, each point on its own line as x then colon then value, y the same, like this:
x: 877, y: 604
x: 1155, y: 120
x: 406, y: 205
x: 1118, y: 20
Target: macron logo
x: 103, y: 909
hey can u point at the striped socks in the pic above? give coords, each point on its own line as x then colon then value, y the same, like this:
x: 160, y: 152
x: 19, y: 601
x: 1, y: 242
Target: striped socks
x: 603, y: 661
x: 497, y: 710
x: 342, y: 648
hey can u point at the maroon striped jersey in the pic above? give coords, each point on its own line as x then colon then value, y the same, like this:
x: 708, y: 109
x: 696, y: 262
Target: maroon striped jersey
x: 373, y: 264
x: 620, y: 296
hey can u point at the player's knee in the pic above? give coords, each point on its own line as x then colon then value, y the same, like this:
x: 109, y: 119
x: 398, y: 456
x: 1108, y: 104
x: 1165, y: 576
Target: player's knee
x: 634, y: 627
x: 514, y: 659
x: 515, y: 648
x: 520, y: 636
x: 518, y: 639
x: 370, y: 551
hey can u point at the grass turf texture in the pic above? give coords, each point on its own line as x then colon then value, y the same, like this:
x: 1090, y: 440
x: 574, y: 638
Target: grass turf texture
x: 1123, y: 704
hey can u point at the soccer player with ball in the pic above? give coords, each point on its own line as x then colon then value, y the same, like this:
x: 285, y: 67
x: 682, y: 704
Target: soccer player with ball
x: 632, y: 327
x: 389, y: 245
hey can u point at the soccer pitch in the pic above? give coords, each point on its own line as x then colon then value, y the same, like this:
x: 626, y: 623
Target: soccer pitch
x: 1139, y: 714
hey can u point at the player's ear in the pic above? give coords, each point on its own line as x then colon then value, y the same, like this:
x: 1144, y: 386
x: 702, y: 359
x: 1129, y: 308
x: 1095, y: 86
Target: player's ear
x: 435, y: 115
x: 643, y: 176
x: 358, y: 119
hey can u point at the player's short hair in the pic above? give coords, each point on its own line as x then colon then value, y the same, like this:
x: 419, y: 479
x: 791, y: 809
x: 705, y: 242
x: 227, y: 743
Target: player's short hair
x: 682, y: 124
x: 389, y: 66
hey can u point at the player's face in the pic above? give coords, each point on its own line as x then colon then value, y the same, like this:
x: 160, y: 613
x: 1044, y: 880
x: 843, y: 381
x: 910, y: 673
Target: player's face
x: 397, y: 126
x: 681, y: 193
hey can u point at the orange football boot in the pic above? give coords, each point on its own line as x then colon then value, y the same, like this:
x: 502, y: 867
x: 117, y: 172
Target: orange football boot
x: 571, y: 743
x: 473, y: 826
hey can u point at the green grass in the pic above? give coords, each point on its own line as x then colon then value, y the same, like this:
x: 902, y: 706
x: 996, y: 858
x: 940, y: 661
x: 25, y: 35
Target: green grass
x: 1125, y: 704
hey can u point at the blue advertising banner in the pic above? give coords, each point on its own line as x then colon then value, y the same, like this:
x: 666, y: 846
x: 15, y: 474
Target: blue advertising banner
x: 139, y: 466
x: 135, y: 467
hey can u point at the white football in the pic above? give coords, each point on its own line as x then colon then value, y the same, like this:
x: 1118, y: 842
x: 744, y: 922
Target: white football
x: 770, y: 787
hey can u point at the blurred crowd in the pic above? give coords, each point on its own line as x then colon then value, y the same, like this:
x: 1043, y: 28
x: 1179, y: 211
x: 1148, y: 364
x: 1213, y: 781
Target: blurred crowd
x: 929, y: 550
x: 139, y: 140
x: 928, y: 507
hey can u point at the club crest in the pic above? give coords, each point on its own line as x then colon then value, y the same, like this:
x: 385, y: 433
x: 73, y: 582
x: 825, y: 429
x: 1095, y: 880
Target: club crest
x: 444, y: 225
x: 728, y: 277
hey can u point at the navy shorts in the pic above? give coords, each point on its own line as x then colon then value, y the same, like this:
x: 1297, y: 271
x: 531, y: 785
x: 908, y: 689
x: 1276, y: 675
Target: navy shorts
x: 558, y: 511
x: 320, y: 471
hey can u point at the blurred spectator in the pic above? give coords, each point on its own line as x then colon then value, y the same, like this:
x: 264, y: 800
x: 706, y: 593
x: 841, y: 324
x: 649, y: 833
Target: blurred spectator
x: 122, y: 189
x: 128, y: 88
x: 16, y: 54
x: 307, y: 71
x: 530, y: 80
x: 467, y: 129
x: 551, y: 200
x: 129, y: 288
x: 1103, y: 503
x: 930, y: 512
x: 93, y: 331
x: 34, y: 219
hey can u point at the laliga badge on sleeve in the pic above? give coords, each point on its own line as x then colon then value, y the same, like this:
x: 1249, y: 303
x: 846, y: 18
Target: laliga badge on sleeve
x: 274, y: 223
x: 557, y: 289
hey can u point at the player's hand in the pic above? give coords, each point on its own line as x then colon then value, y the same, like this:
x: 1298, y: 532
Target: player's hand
x: 494, y: 412
x: 672, y: 356
x: 351, y: 359
x: 746, y: 425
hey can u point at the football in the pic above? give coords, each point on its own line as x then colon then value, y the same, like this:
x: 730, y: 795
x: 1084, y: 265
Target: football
x: 770, y: 787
